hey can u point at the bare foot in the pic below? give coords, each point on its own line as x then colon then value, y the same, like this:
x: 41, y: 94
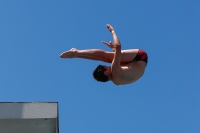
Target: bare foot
x: 69, y: 54
x: 110, y: 28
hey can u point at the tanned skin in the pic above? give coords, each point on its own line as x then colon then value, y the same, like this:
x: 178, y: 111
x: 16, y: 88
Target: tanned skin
x: 122, y: 69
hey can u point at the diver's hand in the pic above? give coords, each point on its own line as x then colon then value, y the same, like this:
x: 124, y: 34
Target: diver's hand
x: 109, y: 45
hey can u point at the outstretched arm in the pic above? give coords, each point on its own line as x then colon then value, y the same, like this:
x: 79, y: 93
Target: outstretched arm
x: 116, y: 69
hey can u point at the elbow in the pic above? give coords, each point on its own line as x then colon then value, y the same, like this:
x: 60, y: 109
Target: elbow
x: 117, y: 46
x: 117, y: 43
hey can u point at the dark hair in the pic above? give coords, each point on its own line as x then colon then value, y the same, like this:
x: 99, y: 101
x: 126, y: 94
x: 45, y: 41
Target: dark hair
x: 99, y: 74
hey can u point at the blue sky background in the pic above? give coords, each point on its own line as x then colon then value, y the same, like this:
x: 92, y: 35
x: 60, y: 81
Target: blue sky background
x: 165, y: 100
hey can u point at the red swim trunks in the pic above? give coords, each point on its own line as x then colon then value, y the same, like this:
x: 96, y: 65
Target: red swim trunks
x: 141, y: 56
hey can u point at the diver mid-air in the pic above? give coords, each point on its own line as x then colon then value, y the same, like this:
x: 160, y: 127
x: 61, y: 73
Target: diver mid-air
x: 127, y: 66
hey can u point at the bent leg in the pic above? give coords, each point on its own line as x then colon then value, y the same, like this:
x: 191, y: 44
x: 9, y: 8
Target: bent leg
x: 100, y: 55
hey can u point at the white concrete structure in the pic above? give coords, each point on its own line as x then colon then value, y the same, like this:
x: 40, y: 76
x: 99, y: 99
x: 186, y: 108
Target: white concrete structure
x: 29, y: 117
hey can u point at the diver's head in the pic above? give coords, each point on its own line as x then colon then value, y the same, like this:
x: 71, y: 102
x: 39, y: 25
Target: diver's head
x: 102, y: 73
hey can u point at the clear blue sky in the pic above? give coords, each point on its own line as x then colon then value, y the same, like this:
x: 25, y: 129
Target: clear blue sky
x: 165, y: 100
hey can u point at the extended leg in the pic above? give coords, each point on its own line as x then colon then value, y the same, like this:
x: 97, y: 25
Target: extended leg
x: 95, y: 54
x: 100, y: 55
x: 91, y: 54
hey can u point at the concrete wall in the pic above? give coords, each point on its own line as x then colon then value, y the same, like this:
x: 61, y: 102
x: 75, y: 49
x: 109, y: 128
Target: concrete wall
x: 29, y: 117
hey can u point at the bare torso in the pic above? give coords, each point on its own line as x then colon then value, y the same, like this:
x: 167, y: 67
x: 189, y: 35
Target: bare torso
x: 131, y: 72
